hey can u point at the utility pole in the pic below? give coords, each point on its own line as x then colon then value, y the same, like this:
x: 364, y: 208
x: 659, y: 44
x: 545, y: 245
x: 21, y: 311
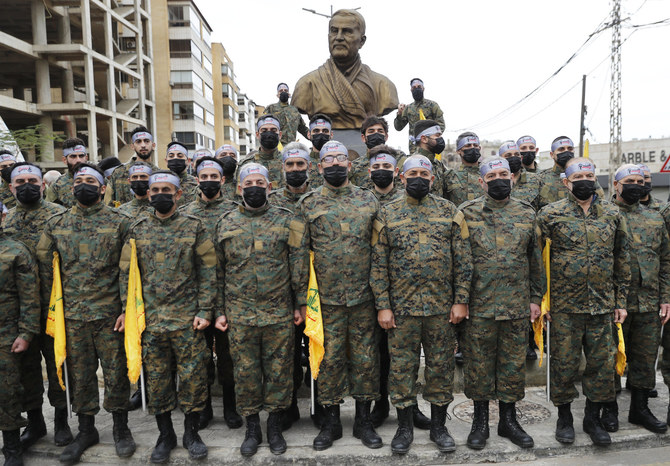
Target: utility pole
x: 314, y: 12
x: 615, y: 92
x: 582, y: 112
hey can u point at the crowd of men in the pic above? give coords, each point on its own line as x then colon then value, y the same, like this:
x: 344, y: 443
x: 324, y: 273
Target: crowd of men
x: 411, y: 258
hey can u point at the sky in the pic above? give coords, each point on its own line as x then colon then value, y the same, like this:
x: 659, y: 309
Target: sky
x: 477, y: 59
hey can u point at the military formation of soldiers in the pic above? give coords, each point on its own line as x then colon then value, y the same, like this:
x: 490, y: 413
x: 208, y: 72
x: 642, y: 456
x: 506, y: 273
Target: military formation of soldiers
x: 411, y: 258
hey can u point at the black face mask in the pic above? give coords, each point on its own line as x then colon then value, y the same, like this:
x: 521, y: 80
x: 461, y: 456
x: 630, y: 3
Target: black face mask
x: 499, y: 189
x: 631, y: 193
x: 145, y: 156
x: 283, y: 97
x: 335, y: 175
x: 528, y: 158
x: 163, y: 203
x: 255, y: 196
x: 647, y: 188
x: 318, y: 140
x: 229, y: 166
x: 6, y: 174
x: 177, y: 165
x: 140, y: 187
x: 269, y: 140
x: 583, y: 189
x: 382, y: 178
x: 210, y: 188
x: 417, y: 187
x: 87, y: 194
x: 28, y: 193
x: 439, y: 146
x: 471, y: 155
x: 563, y: 157
x: 514, y: 164
x: 374, y: 140
x: 417, y: 94
x: 296, y: 179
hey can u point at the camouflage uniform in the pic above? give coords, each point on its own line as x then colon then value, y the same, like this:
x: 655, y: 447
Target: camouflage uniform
x: 507, y: 277
x: 590, y: 273
x: 552, y: 188
x: 649, y: 287
x: 464, y: 184
x: 136, y: 207
x: 421, y: 265
x: 229, y: 189
x: 653, y: 204
x: 315, y: 178
x: 397, y: 191
x: 527, y: 188
x: 19, y: 317
x: 290, y: 121
x: 431, y: 111
x: 6, y: 196
x: 118, y: 187
x: 177, y: 263
x: 442, y: 175
x: 359, y: 169
x: 273, y: 162
x: 339, y: 224
x: 189, y: 187
x: 25, y: 224
x: 258, y: 255
x: 60, y: 191
x: 89, y: 242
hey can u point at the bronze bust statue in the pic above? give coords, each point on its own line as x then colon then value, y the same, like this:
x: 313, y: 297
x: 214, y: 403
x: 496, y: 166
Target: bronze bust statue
x: 344, y: 88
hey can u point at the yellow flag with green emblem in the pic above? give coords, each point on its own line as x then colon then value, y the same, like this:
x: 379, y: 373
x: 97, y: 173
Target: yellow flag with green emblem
x: 56, y: 319
x: 421, y: 115
x: 620, y: 351
x: 314, y: 321
x: 538, y: 325
x: 135, y: 323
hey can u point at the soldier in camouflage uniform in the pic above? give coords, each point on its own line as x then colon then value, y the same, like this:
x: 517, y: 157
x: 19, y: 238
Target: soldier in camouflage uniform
x: 25, y: 223
x: 88, y: 239
x: 374, y: 132
x: 420, y: 109
x: 464, y: 181
x: 320, y: 132
x: 289, y: 117
x: 526, y: 185
x: 338, y: 218
x: 259, y: 250
x: 176, y: 160
x: 590, y: 273
x: 420, y: 277
x: 228, y: 155
x: 118, y: 188
x: 60, y: 192
x: 138, y: 180
x: 177, y: 263
x: 7, y: 160
x: 664, y: 362
x: 528, y: 150
x: 429, y: 140
x: 649, y: 290
x: 507, y: 288
x: 19, y: 325
x: 209, y: 207
x: 647, y: 200
x: 268, y: 132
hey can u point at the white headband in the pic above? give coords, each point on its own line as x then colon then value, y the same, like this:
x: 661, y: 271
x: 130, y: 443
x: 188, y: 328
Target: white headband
x: 71, y: 150
x: 164, y: 178
x: 88, y: 171
x: 26, y: 170
x: 209, y: 164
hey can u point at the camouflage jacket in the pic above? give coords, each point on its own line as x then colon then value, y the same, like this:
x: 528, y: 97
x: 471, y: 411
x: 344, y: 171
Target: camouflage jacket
x: 290, y: 121
x: 286, y: 199
x: 464, y: 184
x: 590, y: 262
x: 136, y: 207
x: 649, y: 258
x: 25, y: 222
x: 6, y: 196
x: 118, y: 187
x: 272, y: 162
x: 397, y: 191
x: 339, y: 227
x: 19, y: 293
x: 229, y: 189
x: 315, y: 178
x: 89, y: 242
x: 60, y: 191
x: 421, y: 259
x: 189, y: 187
x: 209, y: 211
x: 552, y: 188
x: 431, y: 111
x: 508, y: 273
x: 177, y: 264
x: 653, y: 204
x: 442, y: 174
x: 527, y: 188
x: 359, y: 169
x: 259, y: 255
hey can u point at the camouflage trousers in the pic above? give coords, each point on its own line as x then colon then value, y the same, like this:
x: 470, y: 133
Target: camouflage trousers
x: 350, y: 364
x: 642, y: 335
x: 224, y: 362
x: 87, y: 343
x: 263, y: 362
x: 436, y: 336
x: 11, y: 390
x: 570, y: 333
x: 298, y: 373
x: 664, y: 363
x: 187, y: 351
x: 495, y: 359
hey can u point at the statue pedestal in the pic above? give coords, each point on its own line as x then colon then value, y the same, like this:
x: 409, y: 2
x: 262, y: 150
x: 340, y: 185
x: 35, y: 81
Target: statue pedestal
x: 351, y: 138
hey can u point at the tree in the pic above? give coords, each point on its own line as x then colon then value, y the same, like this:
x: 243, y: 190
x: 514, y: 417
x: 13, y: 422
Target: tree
x: 31, y: 139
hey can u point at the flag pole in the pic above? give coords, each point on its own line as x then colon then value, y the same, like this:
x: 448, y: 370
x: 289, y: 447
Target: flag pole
x: 312, y: 395
x: 658, y: 352
x: 67, y: 390
x: 143, y: 390
x: 548, y: 361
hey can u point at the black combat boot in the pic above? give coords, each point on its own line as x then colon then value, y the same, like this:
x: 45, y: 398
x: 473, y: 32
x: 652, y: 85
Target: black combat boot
x: 191, y: 440
x: 565, y: 431
x: 206, y: 414
x: 609, y: 417
x: 35, y: 430
x: 420, y: 420
x: 62, y: 432
x: 479, y: 432
x: 123, y: 439
x: 380, y: 411
x: 510, y: 428
x: 363, y: 428
x: 641, y: 415
x: 292, y: 414
x: 12, y: 450
x: 87, y: 437
x: 331, y: 428
x: 593, y: 426
x: 253, y: 436
x: 438, y: 431
x: 167, y: 439
x: 233, y: 420
x: 404, y: 436
x: 275, y: 438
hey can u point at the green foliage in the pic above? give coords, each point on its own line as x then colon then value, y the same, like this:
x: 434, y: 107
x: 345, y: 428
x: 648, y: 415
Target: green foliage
x: 31, y: 139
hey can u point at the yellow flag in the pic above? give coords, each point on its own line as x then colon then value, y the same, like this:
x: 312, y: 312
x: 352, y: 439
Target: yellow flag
x: 586, y: 149
x: 538, y: 325
x: 314, y: 321
x: 56, y: 319
x: 280, y: 147
x: 421, y: 115
x: 135, y: 323
x: 620, y: 351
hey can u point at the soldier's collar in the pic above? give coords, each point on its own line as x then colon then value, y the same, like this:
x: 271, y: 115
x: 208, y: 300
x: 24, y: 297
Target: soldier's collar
x: 265, y: 156
x: 627, y: 207
x: 253, y: 213
x: 86, y: 211
x: 30, y: 207
x: 491, y: 203
x: 168, y: 219
x: 412, y: 201
x: 427, y: 153
x: 329, y: 191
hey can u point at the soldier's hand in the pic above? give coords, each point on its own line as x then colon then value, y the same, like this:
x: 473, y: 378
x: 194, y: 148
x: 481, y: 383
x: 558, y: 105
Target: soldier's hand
x: 665, y: 313
x: 19, y: 345
x: 547, y: 317
x: 221, y: 323
x: 120, y: 324
x: 458, y: 313
x: 298, y: 317
x: 386, y: 319
x: 534, y: 312
x: 200, y: 324
x: 619, y: 316
x: 401, y: 107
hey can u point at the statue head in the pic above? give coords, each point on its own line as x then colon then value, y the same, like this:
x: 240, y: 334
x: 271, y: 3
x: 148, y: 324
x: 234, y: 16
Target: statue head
x: 346, y: 35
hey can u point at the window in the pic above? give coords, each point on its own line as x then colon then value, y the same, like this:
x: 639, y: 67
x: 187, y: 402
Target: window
x: 206, y: 36
x: 243, y: 150
x: 199, y: 139
x: 210, y: 119
x: 228, y: 133
x: 210, y: 144
x: 224, y: 69
x: 185, y: 137
x: 226, y: 90
x: 180, y: 48
x: 195, y: 52
x: 198, y: 113
x: 228, y: 112
x: 181, y: 79
x: 208, y: 93
x: 241, y: 116
x: 197, y: 83
x: 207, y: 64
x: 242, y: 133
x: 182, y: 110
x: 195, y: 21
x: 176, y: 16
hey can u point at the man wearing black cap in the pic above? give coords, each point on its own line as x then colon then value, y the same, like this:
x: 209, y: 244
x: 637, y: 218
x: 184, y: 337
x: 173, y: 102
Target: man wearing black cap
x: 108, y: 165
x: 420, y: 109
x: 289, y: 117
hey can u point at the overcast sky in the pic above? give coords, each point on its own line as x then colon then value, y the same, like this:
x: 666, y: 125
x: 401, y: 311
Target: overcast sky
x: 476, y: 57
